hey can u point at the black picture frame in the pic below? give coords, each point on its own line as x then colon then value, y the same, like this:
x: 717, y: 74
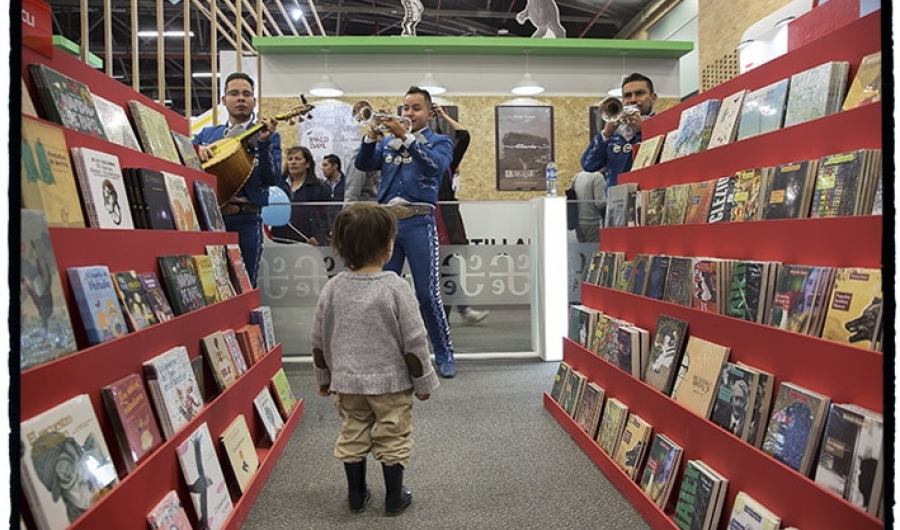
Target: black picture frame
x: 524, y: 145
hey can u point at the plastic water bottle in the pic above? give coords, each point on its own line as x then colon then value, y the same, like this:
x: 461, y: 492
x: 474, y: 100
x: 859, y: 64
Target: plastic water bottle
x: 551, y: 179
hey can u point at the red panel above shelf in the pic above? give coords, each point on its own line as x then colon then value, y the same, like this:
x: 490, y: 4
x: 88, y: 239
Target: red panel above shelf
x: 808, y: 361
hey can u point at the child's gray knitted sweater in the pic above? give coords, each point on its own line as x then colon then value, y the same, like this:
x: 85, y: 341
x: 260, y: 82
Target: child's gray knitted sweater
x: 365, y: 325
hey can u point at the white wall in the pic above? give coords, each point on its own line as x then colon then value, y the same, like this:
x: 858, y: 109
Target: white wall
x: 680, y: 24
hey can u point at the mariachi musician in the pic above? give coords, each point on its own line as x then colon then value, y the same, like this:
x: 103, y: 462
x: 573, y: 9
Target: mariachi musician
x: 242, y: 212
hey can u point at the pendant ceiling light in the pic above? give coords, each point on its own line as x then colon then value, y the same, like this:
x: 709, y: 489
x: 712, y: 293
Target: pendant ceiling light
x: 326, y: 86
x: 528, y: 85
x: 429, y: 83
x: 616, y: 91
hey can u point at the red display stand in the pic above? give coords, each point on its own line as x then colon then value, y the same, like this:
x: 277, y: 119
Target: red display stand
x: 91, y: 368
x: 842, y: 372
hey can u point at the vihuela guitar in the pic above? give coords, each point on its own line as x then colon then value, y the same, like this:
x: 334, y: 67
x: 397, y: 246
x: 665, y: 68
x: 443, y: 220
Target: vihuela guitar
x: 232, y: 164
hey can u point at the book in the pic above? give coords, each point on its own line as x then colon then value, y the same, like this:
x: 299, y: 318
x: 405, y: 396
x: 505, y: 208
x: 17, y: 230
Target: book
x: 66, y: 101
x: 262, y: 316
x: 789, y: 191
x: 647, y: 153
x: 615, y: 413
x: 187, y: 151
x: 617, y: 205
x: 633, y: 445
x: 129, y: 410
x: 151, y: 185
x: 851, y: 448
x: 792, y: 305
x: 153, y: 131
x: 763, y: 109
x: 103, y: 192
x: 866, y: 85
x: 761, y: 392
x: 115, y: 123
x: 656, y: 203
x: 180, y: 203
x: 168, y: 514
x: 677, y: 199
x: 663, y: 461
x: 699, y: 200
x: 816, y: 92
x: 559, y: 380
x: 695, y: 127
x: 203, y: 475
x: 240, y: 279
x: 45, y: 327
x: 234, y: 349
x: 219, y: 359
x: 182, y: 283
x: 156, y: 297
x: 838, y: 184
x: 680, y: 286
x: 721, y: 200
x: 571, y: 393
x: 284, y: 394
x: 240, y: 452
x: 658, y: 277
x: 253, y: 345
x: 669, y: 338
x: 205, y: 273
x: 701, y: 365
x: 731, y: 409
x: 795, y: 426
x: 700, y: 498
x: 135, y: 199
x: 57, y: 446
x: 209, y: 206
x: 854, y: 307
x: 588, y: 416
x: 747, y: 513
x: 173, y: 388
x: 706, y: 275
x: 668, y: 150
x: 48, y: 180
x: 97, y: 302
x: 135, y: 302
x: 268, y: 413
x: 750, y: 190
x: 726, y: 127
x: 746, y: 292
x: 219, y: 260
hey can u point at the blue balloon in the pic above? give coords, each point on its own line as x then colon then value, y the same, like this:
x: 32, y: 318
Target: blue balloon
x: 278, y: 212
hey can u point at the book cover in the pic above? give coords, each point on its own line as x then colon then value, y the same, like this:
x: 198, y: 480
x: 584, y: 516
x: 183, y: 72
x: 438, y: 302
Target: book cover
x: 240, y: 452
x: 789, y: 191
x: 601, y: 330
x: 701, y: 366
x: 867, y: 490
x: 763, y: 109
x: 129, y: 410
x: 816, y: 92
x: 698, y: 499
x: 791, y: 308
x: 240, y: 279
x: 66, y: 101
x: 721, y: 200
x: 102, y: 187
x: 135, y: 199
x: 180, y: 202
x: 854, y: 307
x: 592, y: 274
x: 706, y: 287
x: 647, y: 153
x: 731, y: 408
x: 656, y: 203
x: 668, y: 150
x: 153, y: 131
x: 219, y: 359
x: 677, y: 199
x: 699, y: 200
x: 97, y: 302
x: 726, y: 127
x: 46, y: 331
x: 187, y: 151
x: 838, y: 184
x: 866, y: 86
x: 745, y: 300
x: 633, y: 446
x: 617, y: 205
x: 262, y: 316
x: 205, y: 273
x: 234, y: 349
x: 135, y: 302
x: 749, y: 186
x: 268, y: 413
x: 760, y: 404
x: 219, y: 259
x: 669, y: 339
x: 252, y: 343
x: 748, y: 514
x: 795, y: 426
x: 840, y: 445
x: 115, y: 123
x: 173, y: 388
x: 659, y: 273
x: 182, y: 283
x: 203, y: 475
x: 571, y: 394
x: 65, y: 463
x: 169, y: 514
x: 559, y: 380
x: 681, y: 281
x: 695, y: 127
x: 152, y: 187
x: 716, y: 483
x: 615, y: 413
x: 284, y: 394
x: 663, y: 460
x: 48, y: 180
x: 640, y: 274
x: 209, y: 206
x: 155, y: 296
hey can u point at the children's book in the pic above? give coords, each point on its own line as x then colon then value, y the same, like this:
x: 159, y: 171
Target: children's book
x: 205, y: 480
x: 98, y: 304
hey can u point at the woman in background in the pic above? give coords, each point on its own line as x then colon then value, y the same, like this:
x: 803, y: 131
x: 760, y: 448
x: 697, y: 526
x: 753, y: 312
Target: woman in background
x: 309, y: 223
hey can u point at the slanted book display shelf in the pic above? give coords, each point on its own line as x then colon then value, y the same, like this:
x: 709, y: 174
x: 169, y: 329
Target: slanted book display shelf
x: 845, y: 373
x: 91, y: 368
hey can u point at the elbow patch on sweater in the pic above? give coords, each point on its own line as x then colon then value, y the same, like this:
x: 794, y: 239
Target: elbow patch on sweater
x: 319, y: 359
x: 414, y: 365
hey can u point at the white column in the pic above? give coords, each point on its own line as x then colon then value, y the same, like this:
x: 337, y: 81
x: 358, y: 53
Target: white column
x: 550, y: 305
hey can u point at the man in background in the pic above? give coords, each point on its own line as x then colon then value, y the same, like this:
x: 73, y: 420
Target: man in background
x: 590, y: 188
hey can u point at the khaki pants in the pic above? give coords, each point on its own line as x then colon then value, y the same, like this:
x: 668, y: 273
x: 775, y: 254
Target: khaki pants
x: 379, y: 424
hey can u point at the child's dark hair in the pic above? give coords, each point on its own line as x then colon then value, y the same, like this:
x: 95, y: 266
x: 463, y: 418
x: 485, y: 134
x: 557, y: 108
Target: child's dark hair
x: 362, y: 233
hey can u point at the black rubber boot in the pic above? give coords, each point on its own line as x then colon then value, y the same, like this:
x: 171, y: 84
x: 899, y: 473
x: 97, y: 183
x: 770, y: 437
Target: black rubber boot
x: 398, y: 497
x: 358, y: 492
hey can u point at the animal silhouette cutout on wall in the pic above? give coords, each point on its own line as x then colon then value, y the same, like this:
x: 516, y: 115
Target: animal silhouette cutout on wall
x: 544, y: 14
x: 413, y: 10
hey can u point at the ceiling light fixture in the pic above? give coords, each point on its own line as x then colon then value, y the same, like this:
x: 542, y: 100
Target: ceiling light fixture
x: 152, y: 33
x: 326, y: 86
x: 616, y: 91
x: 528, y: 85
x: 429, y: 83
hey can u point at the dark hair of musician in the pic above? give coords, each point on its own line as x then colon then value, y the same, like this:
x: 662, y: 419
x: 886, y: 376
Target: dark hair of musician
x: 334, y: 159
x: 362, y: 233
x: 425, y: 94
x: 638, y: 77
x: 237, y: 75
x: 308, y: 156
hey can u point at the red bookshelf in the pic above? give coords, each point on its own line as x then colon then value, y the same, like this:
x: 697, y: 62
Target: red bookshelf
x: 844, y: 373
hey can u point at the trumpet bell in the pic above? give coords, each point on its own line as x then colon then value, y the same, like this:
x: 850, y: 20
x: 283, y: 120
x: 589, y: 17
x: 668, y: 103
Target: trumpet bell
x: 611, y: 109
x: 363, y: 112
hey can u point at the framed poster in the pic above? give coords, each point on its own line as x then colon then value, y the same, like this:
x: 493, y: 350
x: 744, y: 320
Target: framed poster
x: 524, y: 146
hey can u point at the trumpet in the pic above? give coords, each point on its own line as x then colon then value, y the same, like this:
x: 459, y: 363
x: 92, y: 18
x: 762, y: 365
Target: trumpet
x: 365, y: 114
x: 612, y: 110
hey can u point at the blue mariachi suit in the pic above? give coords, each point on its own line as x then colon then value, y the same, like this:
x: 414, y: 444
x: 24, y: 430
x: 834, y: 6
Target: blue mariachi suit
x: 265, y: 173
x: 615, y: 155
x: 413, y: 173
